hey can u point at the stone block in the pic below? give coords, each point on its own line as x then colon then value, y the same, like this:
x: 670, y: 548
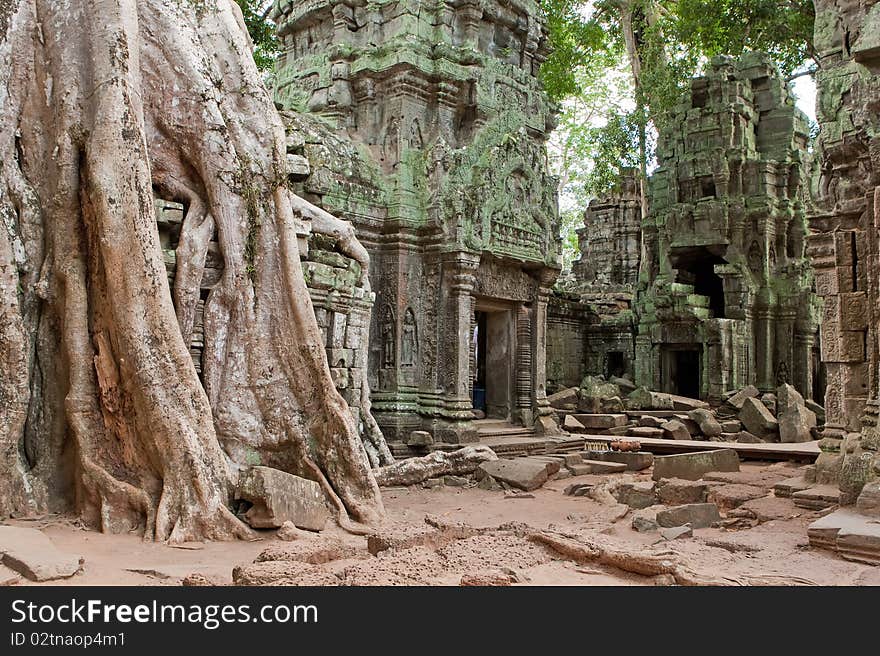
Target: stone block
x: 738, y: 399
x: 796, y: 424
x: 637, y: 495
x: 520, y: 473
x: 564, y: 398
x: 677, y: 492
x: 687, y: 404
x: 817, y: 497
x: 709, y: 426
x: 698, y: 515
x: 675, y: 430
x: 644, y: 399
x: 644, y: 431
x: 790, y: 485
x: 727, y: 497
x: 33, y: 555
x: 647, y: 421
x: 601, y: 467
x: 731, y: 426
x: 572, y: 425
x: 677, y: 532
x: 601, y: 421
x: 278, y: 497
x: 757, y: 419
x: 692, y: 466
x: 634, y: 460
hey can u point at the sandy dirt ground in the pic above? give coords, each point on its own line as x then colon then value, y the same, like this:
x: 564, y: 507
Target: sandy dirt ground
x: 765, y: 550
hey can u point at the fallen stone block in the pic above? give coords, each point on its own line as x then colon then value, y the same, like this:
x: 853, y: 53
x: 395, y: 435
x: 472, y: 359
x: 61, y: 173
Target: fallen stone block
x: 817, y: 497
x: 521, y: 473
x: 698, y: 515
x: 728, y: 497
x: 757, y: 419
x: 31, y: 553
x: 692, y: 466
x: 677, y: 532
x: 634, y: 460
x: 692, y: 427
x: 796, y: 424
x: 740, y: 397
x: 564, y: 398
x: 572, y: 425
x: 625, y: 385
x: 766, y: 509
x: 637, y: 495
x: 278, y: 497
x: 644, y: 524
x: 646, y: 432
x: 553, y: 465
x: 675, y: 430
x: 817, y: 409
x: 677, y: 492
x: 456, y: 481
x: 868, y: 502
x: 685, y: 403
x: 854, y: 535
x: 731, y: 426
x: 769, y: 401
x: 644, y: 399
x: 709, y: 426
x: 647, y: 421
x: 601, y: 421
x: 860, y: 543
x: 600, y: 467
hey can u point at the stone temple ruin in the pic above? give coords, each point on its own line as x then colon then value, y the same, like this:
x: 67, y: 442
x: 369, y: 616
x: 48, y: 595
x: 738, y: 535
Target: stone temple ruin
x: 591, y: 323
x: 844, y: 247
x: 726, y: 299
x: 426, y: 128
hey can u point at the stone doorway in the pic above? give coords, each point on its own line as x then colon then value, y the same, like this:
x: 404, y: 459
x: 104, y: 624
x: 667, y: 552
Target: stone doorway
x: 680, y: 370
x: 494, y: 361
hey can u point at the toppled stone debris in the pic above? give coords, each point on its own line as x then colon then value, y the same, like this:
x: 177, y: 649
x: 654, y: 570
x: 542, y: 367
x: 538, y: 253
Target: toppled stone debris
x: 278, y: 497
x: 692, y: 466
x: 757, y: 419
x: 31, y: 553
x: 520, y: 473
x: 697, y: 515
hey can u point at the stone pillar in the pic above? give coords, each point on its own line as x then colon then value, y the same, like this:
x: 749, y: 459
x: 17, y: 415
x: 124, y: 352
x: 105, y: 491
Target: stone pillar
x: 543, y: 412
x: 524, y: 346
x: 456, y: 422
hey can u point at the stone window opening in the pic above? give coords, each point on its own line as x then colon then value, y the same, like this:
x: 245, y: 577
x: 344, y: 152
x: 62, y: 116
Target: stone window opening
x: 699, y: 98
x: 697, y: 268
x: 707, y: 187
x: 615, y: 365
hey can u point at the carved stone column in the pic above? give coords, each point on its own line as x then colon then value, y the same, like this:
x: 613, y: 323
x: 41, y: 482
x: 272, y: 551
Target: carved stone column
x: 524, y: 345
x: 456, y: 422
x: 542, y: 411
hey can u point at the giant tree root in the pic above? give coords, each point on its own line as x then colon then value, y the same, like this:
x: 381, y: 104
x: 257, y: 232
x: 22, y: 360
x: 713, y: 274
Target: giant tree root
x: 103, y: 103
x: 647, y: 563
x: 437, y: 463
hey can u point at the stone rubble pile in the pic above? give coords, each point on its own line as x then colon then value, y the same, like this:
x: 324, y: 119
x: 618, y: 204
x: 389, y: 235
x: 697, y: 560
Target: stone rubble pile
x: 618, y: 407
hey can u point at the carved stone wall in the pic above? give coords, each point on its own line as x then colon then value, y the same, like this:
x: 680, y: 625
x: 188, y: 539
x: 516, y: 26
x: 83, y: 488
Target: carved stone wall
x: 844, y: 244
x: 425, y: 126
x: 725, y: 297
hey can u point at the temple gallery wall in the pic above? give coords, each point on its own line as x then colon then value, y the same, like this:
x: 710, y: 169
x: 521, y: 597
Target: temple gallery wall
x: 427, y: 130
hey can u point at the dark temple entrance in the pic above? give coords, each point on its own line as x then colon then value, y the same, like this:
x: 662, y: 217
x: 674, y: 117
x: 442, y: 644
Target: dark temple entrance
x: 493, y: 340
x: 680, y: 371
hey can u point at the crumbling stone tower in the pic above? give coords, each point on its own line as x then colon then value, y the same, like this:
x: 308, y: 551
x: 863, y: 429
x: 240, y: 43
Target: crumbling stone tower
x: 591, y: 324
x: 844, y: 246
x: 431, y: 141
x: 725, y: 298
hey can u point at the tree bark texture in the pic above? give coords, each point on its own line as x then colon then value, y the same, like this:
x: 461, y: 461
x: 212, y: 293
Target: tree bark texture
x: 101, y: 409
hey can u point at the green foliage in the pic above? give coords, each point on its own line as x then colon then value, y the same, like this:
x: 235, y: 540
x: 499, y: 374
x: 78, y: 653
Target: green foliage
x: 262, y: 32
x: 781, y: 28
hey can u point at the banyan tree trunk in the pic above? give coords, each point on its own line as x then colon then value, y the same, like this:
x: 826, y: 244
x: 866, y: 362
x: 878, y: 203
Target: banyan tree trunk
x: 101, y: 408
